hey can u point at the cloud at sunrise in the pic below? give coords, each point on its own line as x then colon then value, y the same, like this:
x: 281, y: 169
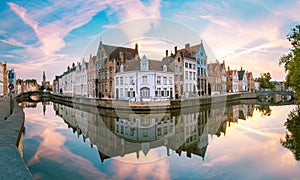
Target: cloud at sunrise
x: 37, y: 36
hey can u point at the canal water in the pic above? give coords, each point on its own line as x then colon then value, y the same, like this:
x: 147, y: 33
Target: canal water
x: 221, y: 141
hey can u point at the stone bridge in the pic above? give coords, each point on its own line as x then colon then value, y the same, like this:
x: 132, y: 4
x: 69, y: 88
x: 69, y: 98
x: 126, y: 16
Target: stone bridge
x: 275, y: 97
x: 33, y: 96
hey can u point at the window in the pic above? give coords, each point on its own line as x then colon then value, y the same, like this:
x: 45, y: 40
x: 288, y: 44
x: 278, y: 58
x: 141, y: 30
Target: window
x: 158, y: 92
x: 170, y: 80
x: 165, y: 80
x: 145, y: 92
x: 190, y: 66
x: 186, y: 65
x: 158, y: 80
x: 131, y: 93
x: 165, y: 92
x: 194, y: 66
x: 121, y: 81
x: 176, y: 68
x: 165, y: 130
x: 144, y: 79
x: 110, y: 72
x: 165, y: 68
x: 144, y: 66
x: 159, y: 131
x: 131, y: 80
x: 194, y: 75
x: 110, y: 86
x: 126, y: 93
x: 190, y: 77
x: 186, y: 75
x: 103, y: 87
x: 121, y: 92
x: 181, y: 69
x: 117, y: 81
x: 178, y: 59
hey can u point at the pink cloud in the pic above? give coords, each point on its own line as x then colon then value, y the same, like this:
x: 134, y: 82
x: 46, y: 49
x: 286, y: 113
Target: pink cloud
x: 152, y: 170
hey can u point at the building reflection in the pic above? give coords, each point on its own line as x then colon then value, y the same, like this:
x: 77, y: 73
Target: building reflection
x: 118, y: 134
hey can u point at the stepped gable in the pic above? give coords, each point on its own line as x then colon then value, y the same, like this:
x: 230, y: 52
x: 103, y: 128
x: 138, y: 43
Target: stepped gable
x: 114, y: 52
x: 214, y: 66
x: 241, y: 74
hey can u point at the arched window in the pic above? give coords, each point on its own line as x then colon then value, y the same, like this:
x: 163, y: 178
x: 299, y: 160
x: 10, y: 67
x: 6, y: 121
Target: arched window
x: 145, y: 92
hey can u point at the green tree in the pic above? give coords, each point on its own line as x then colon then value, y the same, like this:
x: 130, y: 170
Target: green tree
x: 291, y: 61
x: 264, y: 81
x: 292, y: 137
x: 264, y: 110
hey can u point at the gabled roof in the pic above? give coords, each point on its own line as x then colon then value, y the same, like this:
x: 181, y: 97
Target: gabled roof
x: 114, y: 51
x: 241, y: 74
x: 249, y: 74
x: 154, y: 65
x: 185, y: 53
x: 128, y: 53
x: 214, y: 66
x: 231, y: 72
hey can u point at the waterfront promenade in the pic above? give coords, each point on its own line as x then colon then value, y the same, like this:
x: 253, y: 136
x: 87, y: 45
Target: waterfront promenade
x: 12, y: 165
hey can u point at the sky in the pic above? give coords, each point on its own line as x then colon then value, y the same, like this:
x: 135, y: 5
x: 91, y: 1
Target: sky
x: 37, y: 36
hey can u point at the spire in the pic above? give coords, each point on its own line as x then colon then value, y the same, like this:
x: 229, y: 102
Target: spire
x: 44, y: 76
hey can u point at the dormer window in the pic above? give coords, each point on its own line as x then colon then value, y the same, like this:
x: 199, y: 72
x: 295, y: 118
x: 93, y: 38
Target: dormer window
x: 144, y: 64
x: 122, y: 68
x: 165, y: 68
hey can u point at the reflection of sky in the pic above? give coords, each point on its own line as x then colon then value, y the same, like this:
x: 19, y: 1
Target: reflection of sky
x: 249, y: 149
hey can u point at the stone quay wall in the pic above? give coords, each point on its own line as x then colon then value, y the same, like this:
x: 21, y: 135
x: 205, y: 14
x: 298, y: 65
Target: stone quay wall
x: 12, y: 165
x: 154, y: 105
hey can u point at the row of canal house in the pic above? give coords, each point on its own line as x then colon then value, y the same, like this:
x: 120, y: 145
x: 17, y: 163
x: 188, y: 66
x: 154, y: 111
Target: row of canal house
x: 120, y: 73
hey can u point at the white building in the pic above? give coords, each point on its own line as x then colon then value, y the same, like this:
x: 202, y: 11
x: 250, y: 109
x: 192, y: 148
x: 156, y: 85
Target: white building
x: 145, y: 129
x: 235, y: 81
x: 190, y: 77
x: 1, y: 79
x: 144, y: 80
x: 66, y: 82
x: 81, y: 79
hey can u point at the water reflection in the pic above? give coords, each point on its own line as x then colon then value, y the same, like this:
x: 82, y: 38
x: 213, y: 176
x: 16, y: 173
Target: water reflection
x: 292, y: 138
x: 120, y: 134
x: 174, y: 144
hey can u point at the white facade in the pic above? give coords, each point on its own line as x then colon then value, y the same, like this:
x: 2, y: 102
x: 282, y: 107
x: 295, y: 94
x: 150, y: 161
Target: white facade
x: 235, y: 81
x: 190, y: 77
x: 145, y: 129
x: 81, y: 79
x: 66, y: 82
x: 145, y: 82
x: 244, y: 82
x: 1, y: 80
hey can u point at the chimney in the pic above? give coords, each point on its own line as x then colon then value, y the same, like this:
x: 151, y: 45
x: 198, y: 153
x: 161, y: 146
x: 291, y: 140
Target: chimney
x: 175, y: 48
x: 122, y: 57
x: 136, y: 47
x: 187, y: 46
x: 167, y: 53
